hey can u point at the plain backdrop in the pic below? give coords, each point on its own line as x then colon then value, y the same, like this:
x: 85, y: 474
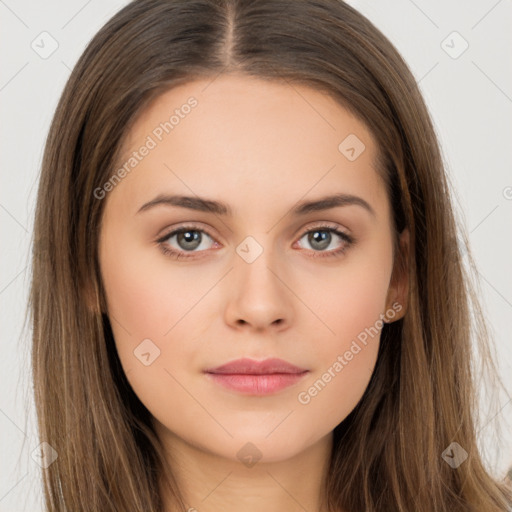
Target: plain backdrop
x: 459, y: 52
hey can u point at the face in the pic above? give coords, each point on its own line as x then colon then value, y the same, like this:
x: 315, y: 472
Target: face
x: 253, y: 265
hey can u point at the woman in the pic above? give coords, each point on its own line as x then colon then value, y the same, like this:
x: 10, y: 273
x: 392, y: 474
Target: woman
x: 251, y: 293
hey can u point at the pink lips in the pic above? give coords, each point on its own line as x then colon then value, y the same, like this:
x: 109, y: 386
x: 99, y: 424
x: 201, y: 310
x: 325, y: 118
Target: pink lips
x: 252, y: 377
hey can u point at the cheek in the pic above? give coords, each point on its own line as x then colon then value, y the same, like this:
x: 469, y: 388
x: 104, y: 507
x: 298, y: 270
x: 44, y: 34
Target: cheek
x: 351, y: 298
x: 351, y: 306
x: 151, y: 308
x: 147, y: 297
x: 152, y: 314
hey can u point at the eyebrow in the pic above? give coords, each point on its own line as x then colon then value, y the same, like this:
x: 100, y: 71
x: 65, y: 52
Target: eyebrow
x: 218, y: 208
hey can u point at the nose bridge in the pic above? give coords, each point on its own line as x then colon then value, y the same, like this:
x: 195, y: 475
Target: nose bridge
x: 257, y: 263
x: 259, y: 296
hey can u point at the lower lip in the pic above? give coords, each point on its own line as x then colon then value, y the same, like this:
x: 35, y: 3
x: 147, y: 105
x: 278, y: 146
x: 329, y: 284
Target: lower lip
x: 257, y: 384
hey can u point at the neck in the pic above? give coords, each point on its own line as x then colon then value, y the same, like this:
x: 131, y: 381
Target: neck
x: 209, y: 482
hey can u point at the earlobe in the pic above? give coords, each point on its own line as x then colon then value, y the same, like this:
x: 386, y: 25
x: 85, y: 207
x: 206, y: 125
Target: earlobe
x: 398, y: 290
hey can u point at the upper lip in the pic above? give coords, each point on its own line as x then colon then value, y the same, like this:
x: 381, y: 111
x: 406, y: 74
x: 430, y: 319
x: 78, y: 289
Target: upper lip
x: 253, y: 367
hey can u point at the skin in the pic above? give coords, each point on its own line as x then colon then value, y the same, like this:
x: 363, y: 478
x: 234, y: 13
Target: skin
x: 260, y: 147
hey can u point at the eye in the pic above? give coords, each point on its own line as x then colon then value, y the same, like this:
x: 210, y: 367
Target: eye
x: 191, y: 239
x: 325, y: 236
x: 188, y: 239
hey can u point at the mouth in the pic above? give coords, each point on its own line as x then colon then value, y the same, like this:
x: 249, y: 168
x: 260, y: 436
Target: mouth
x: 251, y: 377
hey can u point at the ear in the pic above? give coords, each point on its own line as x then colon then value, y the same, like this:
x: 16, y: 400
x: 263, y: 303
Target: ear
x: 398, y: 290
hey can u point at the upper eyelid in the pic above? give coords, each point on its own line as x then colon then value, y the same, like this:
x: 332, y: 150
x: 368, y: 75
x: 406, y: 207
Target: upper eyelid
x: 174, y: 231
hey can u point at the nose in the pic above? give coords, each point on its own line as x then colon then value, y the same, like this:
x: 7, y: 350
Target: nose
x: 258, y: 296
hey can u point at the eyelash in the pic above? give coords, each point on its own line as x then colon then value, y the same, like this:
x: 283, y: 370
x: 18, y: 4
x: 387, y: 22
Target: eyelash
x: 349, y: 241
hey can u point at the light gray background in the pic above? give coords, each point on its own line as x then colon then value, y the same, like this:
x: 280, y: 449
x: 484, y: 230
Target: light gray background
x: 470, y: 98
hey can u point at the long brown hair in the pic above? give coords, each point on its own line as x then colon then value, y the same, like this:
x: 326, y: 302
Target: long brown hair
x: 387, y: 453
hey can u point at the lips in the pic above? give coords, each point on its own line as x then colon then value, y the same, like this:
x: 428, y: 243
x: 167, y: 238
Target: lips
x: 251, y: 367
x: 250, y: 377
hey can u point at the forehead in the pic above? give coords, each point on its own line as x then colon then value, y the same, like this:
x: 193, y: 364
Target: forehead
x: 245, y: 137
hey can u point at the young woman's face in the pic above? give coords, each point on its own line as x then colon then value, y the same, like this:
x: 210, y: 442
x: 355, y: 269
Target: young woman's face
x: 258, y: 271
